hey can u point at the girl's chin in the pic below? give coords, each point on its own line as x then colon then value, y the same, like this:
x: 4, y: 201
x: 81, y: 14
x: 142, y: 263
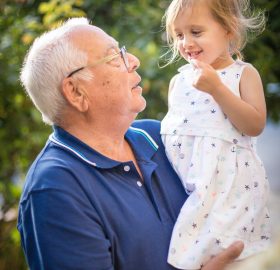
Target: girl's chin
x: 197, y: 57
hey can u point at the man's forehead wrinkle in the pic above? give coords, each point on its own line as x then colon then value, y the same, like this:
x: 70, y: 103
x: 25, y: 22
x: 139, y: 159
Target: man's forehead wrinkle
x: 81, y: 34
x: 96, y: 34
x: 114, y: 45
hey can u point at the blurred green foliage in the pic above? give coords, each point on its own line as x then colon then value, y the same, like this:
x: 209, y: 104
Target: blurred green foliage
x: 136, y: 24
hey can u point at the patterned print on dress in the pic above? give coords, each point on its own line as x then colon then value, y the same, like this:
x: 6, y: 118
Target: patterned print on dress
x: 219, y: 169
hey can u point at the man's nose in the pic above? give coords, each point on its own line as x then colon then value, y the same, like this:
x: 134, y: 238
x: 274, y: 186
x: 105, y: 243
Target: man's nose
x: 134, y: 62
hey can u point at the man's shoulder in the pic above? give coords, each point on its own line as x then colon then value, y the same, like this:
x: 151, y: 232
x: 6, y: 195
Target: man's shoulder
x: 49, y: 171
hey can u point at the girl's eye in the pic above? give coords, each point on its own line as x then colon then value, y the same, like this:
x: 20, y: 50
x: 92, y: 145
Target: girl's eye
x: 196, y: 33
x: 179, y: 36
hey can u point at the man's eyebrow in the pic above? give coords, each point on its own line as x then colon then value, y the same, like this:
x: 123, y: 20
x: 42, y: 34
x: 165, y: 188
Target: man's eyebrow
x: 113, y: 46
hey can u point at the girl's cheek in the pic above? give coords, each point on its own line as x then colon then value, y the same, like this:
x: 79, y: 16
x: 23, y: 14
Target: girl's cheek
x: 182, y: 51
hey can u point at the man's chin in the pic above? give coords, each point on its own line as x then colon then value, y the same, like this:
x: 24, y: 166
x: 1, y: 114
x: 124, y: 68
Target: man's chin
x: 143, y: 105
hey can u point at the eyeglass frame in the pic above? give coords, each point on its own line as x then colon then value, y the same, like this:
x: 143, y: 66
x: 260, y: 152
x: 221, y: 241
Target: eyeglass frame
x: 106, y: 59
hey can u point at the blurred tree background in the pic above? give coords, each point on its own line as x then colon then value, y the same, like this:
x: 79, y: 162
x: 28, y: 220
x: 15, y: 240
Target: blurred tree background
x: 137, y: 24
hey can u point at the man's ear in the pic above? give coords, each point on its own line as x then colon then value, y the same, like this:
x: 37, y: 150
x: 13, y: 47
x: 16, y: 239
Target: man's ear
x: 75, y: 95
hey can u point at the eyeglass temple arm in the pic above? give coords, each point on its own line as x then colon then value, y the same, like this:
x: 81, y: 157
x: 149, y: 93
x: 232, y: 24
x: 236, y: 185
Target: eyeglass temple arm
x: 104, y: 60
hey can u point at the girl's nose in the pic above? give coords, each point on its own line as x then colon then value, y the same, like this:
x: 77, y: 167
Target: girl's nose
x: 187, y: 42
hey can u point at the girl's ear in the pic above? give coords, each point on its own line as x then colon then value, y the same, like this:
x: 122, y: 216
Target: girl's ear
x: 230, y: 35
x: 230, y: 38
x: 75, y: 94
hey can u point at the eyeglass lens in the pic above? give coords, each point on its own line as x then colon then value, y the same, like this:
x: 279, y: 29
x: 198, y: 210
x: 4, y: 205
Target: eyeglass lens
x: 124, y: 57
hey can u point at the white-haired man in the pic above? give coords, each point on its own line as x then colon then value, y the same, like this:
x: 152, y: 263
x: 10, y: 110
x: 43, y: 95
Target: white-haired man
x: 101, y: 194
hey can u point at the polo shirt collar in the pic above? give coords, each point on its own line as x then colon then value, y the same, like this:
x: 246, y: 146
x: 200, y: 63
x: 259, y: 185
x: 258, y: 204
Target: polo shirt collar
x: 142, y: 144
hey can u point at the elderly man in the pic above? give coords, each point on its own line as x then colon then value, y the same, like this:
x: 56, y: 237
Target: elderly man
x: 101, y: 194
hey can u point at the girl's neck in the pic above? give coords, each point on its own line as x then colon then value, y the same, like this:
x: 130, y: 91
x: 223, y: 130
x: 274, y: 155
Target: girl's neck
x: 222, y: 63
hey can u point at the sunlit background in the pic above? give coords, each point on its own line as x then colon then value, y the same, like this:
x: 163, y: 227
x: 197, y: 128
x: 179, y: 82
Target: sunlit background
x: 269, y: 151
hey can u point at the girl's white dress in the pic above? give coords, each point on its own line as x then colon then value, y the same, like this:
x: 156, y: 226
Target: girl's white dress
x: 219, y: 168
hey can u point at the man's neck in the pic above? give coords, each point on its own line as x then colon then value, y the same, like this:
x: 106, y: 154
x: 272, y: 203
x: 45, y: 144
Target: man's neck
x: 106, y: 137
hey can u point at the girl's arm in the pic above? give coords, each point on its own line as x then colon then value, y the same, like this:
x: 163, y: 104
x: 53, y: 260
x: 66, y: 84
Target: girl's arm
x: 171, y: 85
x: 248, y: 113
x: 251, y: 92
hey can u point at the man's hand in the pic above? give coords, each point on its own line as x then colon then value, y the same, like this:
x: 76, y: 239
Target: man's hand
x: 223, y: 259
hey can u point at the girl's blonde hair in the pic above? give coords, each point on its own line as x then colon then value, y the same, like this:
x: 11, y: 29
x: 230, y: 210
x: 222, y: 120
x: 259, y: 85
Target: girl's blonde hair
x: 234, y: 15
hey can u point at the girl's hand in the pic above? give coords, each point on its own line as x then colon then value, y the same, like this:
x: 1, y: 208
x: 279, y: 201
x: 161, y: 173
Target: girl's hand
x: 222, y: 260
x: 206, y: 78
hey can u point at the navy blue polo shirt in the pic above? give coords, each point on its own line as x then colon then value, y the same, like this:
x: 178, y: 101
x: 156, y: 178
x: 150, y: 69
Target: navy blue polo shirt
x: 82, y: 210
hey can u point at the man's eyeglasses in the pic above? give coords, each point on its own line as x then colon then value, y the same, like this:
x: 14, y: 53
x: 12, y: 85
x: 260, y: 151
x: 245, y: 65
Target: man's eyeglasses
x: 106, y: 59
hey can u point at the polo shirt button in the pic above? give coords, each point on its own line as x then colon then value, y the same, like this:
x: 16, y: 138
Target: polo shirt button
x: 126, y: 168
x: 139, y: 184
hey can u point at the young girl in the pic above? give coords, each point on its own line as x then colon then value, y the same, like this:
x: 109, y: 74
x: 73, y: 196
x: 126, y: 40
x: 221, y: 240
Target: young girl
x: 216, y: 107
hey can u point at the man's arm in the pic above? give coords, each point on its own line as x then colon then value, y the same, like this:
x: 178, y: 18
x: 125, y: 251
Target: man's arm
x: 60, y: 231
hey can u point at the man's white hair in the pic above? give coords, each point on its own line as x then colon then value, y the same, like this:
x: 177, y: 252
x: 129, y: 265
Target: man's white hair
x: 49, y: 60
